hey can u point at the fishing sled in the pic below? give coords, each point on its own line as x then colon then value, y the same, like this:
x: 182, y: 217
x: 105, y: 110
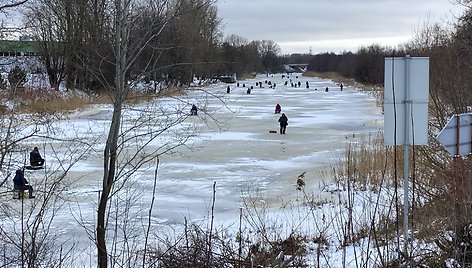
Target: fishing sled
x: 34, y: 167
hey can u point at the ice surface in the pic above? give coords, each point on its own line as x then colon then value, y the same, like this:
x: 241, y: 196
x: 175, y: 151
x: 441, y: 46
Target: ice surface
x: 241, y: 156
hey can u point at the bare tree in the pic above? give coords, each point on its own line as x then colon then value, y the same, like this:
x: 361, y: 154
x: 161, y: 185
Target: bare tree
x: 50, y: 33
x: 126, y: 148
x: 70, y: 34
x: 197, y: 46
x: 7, y: 8
x: 268, y: 51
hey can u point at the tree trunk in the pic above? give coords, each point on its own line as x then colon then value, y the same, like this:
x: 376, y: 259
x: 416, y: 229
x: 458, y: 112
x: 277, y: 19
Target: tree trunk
x: 109, y: 156
x: 110, y: 152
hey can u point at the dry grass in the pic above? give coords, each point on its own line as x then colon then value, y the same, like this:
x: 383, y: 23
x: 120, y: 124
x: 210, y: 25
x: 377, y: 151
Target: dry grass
x: 245, y: 76
x: 441, y: 202
x: 40, y: 101
x: 369, y: 163
x: 53, y: 104
x: 50, y: 102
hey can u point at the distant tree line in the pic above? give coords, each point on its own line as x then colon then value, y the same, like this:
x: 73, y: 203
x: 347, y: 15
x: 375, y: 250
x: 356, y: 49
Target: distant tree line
x: 365, y: 66
x: 186, y: 41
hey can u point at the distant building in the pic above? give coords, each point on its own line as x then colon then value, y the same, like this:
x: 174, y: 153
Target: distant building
x: 13, y: 48
x: 230, y: 78
x: 295, y: 67
x: 24, y: 54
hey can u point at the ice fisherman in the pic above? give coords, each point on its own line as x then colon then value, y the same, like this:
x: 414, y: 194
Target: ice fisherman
x: 283, y: 120
x: 21, y: 184
x: 35, y: 158
x: 278, y: 108
x: 193, y: 110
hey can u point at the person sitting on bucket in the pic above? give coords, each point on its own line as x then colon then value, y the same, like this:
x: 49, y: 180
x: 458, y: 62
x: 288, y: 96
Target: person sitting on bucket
x: 278, y: 108
x: 194, y: 110
x: 35, y: 158
x: 21, y: 184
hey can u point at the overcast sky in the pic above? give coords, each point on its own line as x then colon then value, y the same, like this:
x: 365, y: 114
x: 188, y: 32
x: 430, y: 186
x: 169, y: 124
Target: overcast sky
x: 330, y: 25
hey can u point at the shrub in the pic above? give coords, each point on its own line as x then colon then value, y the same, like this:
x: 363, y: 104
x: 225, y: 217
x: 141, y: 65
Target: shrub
x: 17, y: 77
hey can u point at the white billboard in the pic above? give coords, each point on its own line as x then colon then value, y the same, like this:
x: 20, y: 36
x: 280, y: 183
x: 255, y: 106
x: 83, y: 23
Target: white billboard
x: 406, y: 96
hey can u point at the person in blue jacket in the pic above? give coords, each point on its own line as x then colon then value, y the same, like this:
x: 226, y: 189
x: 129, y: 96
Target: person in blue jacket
x: 21, y: 184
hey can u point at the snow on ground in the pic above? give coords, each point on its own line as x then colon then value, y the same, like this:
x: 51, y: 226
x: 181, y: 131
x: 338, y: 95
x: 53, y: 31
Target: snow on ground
x: 243, y: 159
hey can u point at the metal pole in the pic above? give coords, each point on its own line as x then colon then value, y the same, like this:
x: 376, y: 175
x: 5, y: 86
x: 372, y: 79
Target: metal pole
x: 459, y: 189
x: 408, y: 102
x: 458, y: 137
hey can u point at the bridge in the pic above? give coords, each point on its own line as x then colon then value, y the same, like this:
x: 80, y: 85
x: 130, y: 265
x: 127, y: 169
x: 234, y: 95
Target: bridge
x: 295, y: 67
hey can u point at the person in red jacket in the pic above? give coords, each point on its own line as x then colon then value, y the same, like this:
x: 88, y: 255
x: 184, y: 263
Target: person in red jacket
x: 278, y: 108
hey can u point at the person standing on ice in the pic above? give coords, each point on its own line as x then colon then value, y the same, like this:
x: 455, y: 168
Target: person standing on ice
x: 283, y: 121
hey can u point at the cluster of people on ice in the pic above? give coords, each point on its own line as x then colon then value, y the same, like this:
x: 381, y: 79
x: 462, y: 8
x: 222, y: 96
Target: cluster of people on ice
x: 283, y: 120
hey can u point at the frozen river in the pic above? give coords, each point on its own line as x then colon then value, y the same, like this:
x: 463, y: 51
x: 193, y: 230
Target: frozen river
x: 242, y: 158
x: 247, y: 158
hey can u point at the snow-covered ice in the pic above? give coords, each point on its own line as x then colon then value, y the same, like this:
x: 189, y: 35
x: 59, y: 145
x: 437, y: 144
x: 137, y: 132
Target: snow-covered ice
x: 241, y: 156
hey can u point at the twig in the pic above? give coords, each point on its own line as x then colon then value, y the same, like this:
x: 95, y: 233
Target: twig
x: 211, y: 224
x: 150, y: 213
